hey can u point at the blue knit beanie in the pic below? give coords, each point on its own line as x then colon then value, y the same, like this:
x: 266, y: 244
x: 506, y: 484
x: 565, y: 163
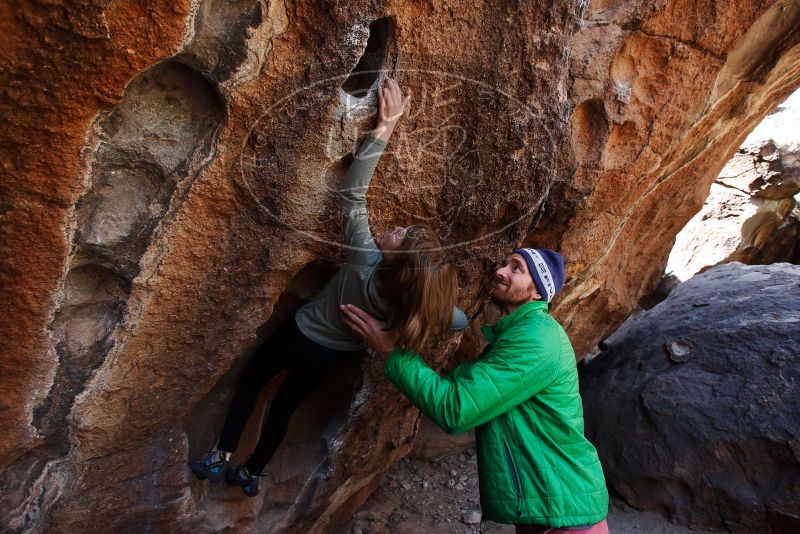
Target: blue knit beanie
x: 547, y: 270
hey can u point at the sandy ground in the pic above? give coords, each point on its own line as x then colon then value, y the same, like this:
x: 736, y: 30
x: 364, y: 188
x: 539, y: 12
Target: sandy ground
x: 441, y: 497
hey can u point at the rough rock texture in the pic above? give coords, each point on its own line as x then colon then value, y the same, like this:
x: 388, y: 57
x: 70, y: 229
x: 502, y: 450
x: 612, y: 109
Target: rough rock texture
x: 162, y: 197
x: 167, y: 178
x: 695, y: 407
x: 431, y: 443
x: 662, y: 94
x: 751, y: 214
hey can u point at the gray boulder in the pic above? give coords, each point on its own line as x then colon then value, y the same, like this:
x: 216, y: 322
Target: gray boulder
x: 695, y: 405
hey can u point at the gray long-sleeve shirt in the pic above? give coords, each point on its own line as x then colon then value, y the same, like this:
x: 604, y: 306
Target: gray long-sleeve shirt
x: 354, y: 283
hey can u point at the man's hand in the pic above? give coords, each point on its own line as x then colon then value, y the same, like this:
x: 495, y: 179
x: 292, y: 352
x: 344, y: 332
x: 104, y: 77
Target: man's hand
x: 391, y: 105
x: 371, y: 330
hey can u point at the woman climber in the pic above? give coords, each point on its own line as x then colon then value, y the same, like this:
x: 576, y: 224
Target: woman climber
x: 404, y: 280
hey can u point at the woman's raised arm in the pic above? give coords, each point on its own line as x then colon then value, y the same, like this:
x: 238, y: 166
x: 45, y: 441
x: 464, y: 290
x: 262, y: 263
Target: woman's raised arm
x: 361, y: 248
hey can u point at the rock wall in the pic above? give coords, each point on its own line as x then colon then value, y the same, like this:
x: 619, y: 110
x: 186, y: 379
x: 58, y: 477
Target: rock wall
x: 662, y: 92
x: 168, y: 172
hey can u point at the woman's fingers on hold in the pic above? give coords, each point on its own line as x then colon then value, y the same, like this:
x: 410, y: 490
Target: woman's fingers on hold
x: 387, y: 96
x: 391, y: 98
x: 387, y: 105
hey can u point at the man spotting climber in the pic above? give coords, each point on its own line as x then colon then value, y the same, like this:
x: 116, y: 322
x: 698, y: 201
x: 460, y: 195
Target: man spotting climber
x: 536, y: 469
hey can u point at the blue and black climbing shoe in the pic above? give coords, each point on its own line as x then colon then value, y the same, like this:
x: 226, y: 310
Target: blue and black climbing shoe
x: 212, y: 466
x: 240, y: 476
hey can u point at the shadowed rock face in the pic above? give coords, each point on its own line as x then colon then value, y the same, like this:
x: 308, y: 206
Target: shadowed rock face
x: 170, y: 173
x: 694, y: 408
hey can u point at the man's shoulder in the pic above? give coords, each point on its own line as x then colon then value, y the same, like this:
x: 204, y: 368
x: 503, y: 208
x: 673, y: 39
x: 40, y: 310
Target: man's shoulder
x: 533, y: 320
x: 537, y: 329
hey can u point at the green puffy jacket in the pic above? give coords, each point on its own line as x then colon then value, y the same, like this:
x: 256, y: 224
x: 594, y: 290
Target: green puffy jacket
x: 521, y: 395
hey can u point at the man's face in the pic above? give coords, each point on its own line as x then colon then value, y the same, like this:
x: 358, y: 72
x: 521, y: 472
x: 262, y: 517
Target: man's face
x: 513, y: 284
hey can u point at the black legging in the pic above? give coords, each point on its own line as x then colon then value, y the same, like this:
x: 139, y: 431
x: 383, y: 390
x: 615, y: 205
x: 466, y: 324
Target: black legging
x: 310, y: 364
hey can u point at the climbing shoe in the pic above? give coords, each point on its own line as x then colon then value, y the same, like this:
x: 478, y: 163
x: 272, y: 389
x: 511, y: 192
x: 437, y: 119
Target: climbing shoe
x: 212, y: 466
x: 240, y: 476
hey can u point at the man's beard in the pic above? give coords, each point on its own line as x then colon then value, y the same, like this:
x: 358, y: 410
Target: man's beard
x: 513, y: 297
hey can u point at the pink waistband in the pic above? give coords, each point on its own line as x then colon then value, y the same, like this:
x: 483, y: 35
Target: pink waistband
x: 597, y: 528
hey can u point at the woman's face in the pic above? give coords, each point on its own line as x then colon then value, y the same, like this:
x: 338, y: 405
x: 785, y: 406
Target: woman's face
x: 392, y: 241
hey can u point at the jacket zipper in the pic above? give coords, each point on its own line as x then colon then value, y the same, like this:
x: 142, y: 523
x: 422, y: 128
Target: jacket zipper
x: 514, y: 477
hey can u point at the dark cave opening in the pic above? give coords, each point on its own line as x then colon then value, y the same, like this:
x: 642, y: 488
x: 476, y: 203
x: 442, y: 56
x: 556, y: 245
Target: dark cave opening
x: 366, y: 71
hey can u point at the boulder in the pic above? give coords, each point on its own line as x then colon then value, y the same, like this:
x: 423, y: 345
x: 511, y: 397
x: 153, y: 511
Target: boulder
x: 694, y: 406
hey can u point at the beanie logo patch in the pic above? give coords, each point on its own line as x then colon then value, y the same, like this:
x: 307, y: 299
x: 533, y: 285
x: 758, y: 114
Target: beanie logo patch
x: 544, y: 274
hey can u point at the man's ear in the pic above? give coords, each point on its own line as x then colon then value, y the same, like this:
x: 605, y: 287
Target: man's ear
x: 535, y: 293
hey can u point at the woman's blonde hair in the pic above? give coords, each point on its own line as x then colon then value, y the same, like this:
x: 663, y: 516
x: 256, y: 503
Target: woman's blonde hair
x: 420, y: 286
